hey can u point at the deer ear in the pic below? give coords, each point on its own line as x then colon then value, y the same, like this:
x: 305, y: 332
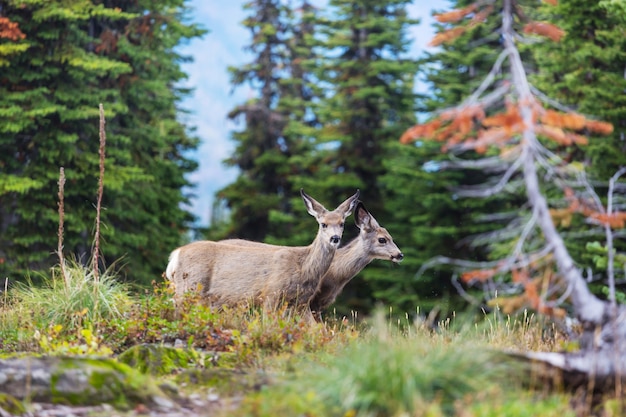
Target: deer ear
x: 363, y: 218
x: 314, y: 208
x: 347, y: 207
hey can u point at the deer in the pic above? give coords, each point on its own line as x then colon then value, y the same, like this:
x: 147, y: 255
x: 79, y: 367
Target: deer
x: 226, y: 274
x: 373, y: 242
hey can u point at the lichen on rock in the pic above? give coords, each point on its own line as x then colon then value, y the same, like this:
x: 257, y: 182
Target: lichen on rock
x: 159, y: 359
x: 79, y: 381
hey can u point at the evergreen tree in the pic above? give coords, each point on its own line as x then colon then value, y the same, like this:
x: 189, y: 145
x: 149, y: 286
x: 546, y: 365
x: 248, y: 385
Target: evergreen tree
x: 264, y: 199
x: 369, y: 78
x: 261, y: 150
x: 73, y: 56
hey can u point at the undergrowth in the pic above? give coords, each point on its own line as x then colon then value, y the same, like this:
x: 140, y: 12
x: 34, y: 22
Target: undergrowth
x: 409, y: 370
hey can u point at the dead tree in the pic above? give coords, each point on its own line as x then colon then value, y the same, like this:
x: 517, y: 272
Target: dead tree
x: 477, y: 125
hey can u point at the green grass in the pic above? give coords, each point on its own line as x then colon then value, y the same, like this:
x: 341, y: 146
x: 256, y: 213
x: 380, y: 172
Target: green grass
x: 60, y: 306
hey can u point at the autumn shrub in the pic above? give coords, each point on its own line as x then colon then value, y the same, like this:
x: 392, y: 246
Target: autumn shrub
x: 155, y: 318
x: 248, y: 335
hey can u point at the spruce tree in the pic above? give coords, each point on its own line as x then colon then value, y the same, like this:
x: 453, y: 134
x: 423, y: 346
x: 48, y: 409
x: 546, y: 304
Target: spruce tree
x: 73, y: 56
x: 368, y: 77
x: 260, y: 151
x: 264, y: 200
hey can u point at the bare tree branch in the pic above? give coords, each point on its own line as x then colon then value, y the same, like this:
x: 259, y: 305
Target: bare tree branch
x: 588, y: 308
x: 497, y: 188
x: 609, y: 237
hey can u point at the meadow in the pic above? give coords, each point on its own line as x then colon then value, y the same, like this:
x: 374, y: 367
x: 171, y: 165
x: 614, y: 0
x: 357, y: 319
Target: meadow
x: 257, y: 363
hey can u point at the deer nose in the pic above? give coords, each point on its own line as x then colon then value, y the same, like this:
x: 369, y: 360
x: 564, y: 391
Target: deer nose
x: 335, y: 239
x: 400, y: 256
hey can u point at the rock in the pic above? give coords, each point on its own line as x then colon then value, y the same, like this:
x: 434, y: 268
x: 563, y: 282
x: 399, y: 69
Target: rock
x: 79, y: 381
x: 159, y: 359
x: 223, y: 381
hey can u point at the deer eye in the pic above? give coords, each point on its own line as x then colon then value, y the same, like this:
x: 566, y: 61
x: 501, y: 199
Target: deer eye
x: 324, y: 225
x: 341, y: 225
x: 382, y: 240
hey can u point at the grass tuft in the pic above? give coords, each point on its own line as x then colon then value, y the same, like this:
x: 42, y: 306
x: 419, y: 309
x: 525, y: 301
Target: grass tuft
x: 78, y: 299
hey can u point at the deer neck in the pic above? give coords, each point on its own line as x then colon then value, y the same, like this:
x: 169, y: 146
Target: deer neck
x: 350, y: 260
x: 319, y: 258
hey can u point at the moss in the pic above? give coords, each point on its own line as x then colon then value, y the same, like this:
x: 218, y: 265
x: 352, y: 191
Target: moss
x: 11, y: 405
x: 224, y: 381
x: 88, y: 381
x: 158, y: 359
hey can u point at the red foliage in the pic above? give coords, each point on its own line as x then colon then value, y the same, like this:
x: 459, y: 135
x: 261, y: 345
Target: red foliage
x: 10, y: 30
x: 482, y: 15
x: 572, y: 121
x: 426, y: 130
x: 108, y: 42
x: 456, y: 14
x: 552, y: 2
x: 447, y: 36
x: 511, y: 120
x: 613, y: 220
x: 602, y: 128
x: 481, y: 275
x: 545, y: 29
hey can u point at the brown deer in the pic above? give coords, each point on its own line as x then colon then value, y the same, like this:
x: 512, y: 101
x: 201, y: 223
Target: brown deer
x: 230, y: 274
x: 373, y: 242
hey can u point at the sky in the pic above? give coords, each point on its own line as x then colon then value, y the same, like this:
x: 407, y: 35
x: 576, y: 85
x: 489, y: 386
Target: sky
x: 214, y: 97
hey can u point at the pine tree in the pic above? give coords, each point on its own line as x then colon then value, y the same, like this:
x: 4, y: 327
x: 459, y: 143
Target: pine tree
x: 73, y: 56
x: 261, y: 152
x: 264, y: 199
x: 369, y: 78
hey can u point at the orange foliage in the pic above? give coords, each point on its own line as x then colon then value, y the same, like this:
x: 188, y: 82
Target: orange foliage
x: 602, y: 128
x: 518, y: 276
x: 482, y: 15
x: 10, y: 30
x: 532, y: 289
x: 478, y: 275
x: 572, y: 121
x: 447, y: 36
x: 613, y: 220
x: 426, y: 130
x: 578, y: 139
x: 489, y: 137
x: 552, y: 2
x: 451, y: 126
x: 545, y: 29
x: 511, y: 120
x: 556, y: 134
x: 455, y: 15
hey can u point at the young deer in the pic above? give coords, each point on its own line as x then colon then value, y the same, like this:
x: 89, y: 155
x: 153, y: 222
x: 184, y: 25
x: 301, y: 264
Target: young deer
x: 373, y: 242
x: 229, y: 274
